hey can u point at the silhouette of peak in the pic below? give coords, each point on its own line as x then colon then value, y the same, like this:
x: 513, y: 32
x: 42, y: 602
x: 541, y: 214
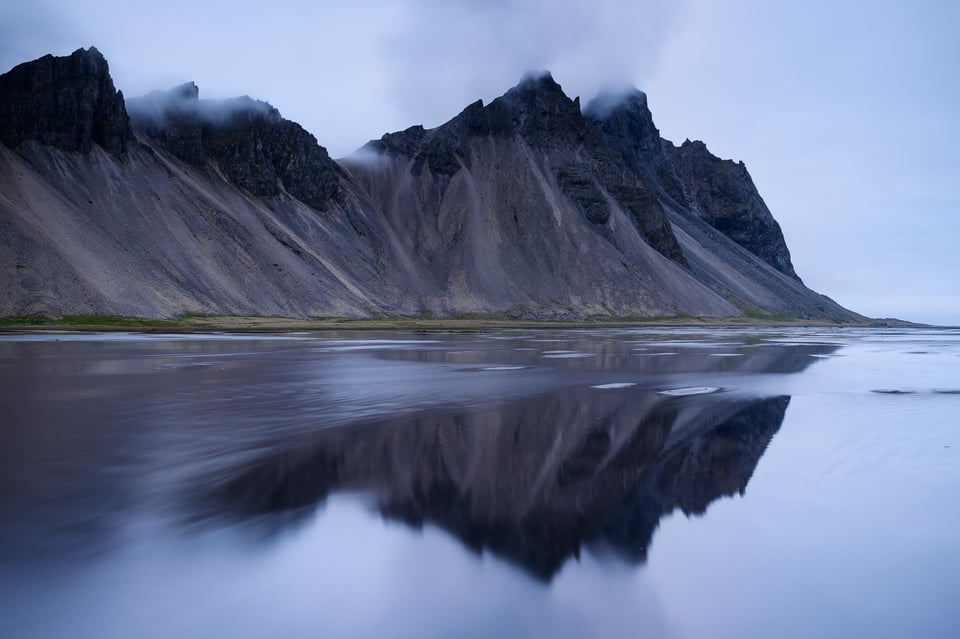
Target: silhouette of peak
x: 538, y: 93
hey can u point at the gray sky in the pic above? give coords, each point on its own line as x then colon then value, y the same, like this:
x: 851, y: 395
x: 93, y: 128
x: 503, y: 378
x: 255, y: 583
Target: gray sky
x: 847, y: 113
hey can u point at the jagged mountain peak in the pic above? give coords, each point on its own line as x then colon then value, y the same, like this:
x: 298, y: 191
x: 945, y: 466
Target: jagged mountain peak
x: 696, y: 145
x: 90, y: 51
x: 626, y: 116
x: 538, y: 100
x: 700, y: 149
x: 405, y: 142
x: 43, y: 70
x: 627, y: 124
x: 536, y: 110
x: 537, y: 83
x: 90, y: 57
x: 68, y: 102
x: 722, y: 193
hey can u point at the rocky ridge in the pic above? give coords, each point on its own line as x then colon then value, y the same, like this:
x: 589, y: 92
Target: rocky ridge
x: 250, y: 142
x: 538, y: 114
x: 722, y: 193
x: 529, y: 206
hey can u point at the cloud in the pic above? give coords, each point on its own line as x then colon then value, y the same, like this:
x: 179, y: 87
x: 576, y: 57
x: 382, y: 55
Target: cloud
x: 157, y: 107
x: 447, y: 54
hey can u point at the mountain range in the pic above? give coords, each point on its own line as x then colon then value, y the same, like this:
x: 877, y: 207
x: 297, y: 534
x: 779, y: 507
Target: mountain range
x: 532, y: 206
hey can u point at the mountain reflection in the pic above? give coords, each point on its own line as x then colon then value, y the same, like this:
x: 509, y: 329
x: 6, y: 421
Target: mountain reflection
x: 532, y: 481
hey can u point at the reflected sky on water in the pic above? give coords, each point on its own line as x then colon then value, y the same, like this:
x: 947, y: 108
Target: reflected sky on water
x: 662, y: 482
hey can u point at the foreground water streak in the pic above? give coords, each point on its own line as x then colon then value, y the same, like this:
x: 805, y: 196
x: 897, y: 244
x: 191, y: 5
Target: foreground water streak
x: 622, y: 482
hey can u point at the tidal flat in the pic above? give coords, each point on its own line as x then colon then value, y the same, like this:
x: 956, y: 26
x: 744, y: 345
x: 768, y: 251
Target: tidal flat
x: 599, y: 482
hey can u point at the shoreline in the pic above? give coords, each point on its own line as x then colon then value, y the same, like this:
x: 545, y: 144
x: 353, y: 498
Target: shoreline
x: 244, y: 324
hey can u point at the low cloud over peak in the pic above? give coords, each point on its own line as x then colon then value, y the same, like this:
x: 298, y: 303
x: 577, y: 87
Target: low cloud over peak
x: 184, y: 99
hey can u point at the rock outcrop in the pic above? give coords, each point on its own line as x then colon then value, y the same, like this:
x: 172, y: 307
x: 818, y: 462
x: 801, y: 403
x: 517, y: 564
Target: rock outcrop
x: 537, y: 115
x: 69, y: 103
x: 627, y: 126
x: 257, y: 149
x: 722, y: 193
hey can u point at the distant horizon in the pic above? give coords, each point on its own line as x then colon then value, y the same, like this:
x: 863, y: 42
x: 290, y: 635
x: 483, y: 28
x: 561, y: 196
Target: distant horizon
x: 861, y: 178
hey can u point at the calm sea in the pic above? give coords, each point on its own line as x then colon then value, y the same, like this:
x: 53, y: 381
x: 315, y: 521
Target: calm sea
x: 612, y: 483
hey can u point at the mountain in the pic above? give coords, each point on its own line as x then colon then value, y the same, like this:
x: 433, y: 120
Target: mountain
x: 529, y: 206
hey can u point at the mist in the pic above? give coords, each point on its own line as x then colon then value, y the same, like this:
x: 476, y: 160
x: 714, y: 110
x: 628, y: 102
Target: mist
x: 449, y: 54
x: 157, y: 107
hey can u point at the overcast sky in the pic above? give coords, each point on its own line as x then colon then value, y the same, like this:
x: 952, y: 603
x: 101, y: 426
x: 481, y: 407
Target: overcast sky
x: 846, y: 113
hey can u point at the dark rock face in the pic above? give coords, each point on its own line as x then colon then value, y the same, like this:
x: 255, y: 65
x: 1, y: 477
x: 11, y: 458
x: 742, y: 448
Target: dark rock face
x: 259, y: 151
x: 252, y: 144
x: 69, y: 103
x: 537, y: 110
x: 581, y: 188
x: 538, y: 115
x: 627, y: 126
x: 170, y: 117
x: 722, y: 193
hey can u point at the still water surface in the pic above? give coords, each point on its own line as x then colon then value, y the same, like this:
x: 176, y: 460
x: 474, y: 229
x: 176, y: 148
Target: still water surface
x: 609, y: 483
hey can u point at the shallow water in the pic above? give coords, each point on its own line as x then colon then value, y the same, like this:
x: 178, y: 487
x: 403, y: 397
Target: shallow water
x: 596, y: 483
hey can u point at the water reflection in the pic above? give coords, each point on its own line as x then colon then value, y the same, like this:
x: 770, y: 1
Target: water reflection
x: 483, y: 435
x: 532, y: 481
x: 257, y: 487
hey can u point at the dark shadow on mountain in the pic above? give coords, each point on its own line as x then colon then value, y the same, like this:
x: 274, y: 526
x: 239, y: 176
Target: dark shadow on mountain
x: 531, y: 481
